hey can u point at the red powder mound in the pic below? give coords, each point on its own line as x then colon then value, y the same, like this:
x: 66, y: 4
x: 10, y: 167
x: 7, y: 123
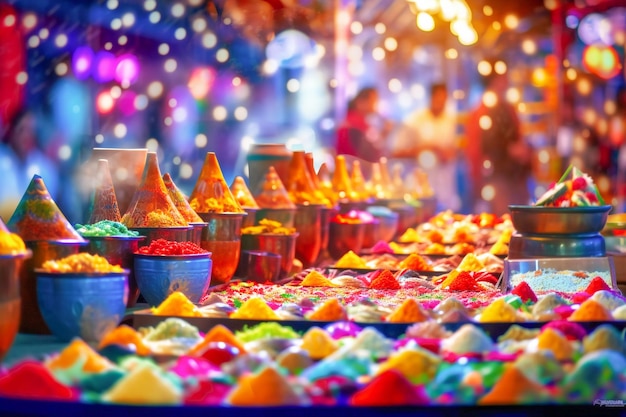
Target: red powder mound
x: 385, y: 281
x: 32, y: 380
x: 523, y: 291
x: 387, y: 389
x: 597, y: 284
x: 208, y: 393
x: 465, y: 281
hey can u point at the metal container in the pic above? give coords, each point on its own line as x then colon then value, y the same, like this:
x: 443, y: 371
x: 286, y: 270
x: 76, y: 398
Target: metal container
x: 222, y: 237
x: 345, y: 237
x: 196, y: 231
x: 283, y: 245
x: 259, y: 266
x: 261, y: 156
x: 286, y: 217
x: 534, y: 220
x: 118, y: 250
x: 327, y: 214
x: 388, y: 221
x: 308, y: 223
x: 407, y: 217
x: 43, y: 250
x: 160, y: 275
x: 85, y: 305
x: 524, y: 247
x: 372, y: 233
x: 10, y: 301
x: 175, y: 233
x: 250, y: 219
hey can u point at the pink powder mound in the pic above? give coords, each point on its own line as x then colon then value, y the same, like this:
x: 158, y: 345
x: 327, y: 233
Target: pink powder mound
x: 381, y: 247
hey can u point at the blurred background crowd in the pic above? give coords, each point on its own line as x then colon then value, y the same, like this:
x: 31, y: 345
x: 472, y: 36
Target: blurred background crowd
x: 491, y: 99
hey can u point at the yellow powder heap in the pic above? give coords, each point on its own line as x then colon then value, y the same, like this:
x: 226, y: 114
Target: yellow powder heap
x: 211, y: 193
x: 416, y: 364
x: 591, y: 310
x: 104, y: 203
x: 410, y: 311
x: 78, y: 352
x: 499, y: 311
x: 180, y: 201
x: 81, y: 262
x: 409, y: 236
x: 351, y: 260
x: 326, y: 185
x: 218, y: 333
x: 318, y: 343
x: 146, y: 386
x: 471, y: 263
x: 514, y: 387
x: 415, y: 262
x: 242, y: 193
x: 125, y: 335
x: 271, y: 193
x: 255, y: 308
x: 300, y: 185
x: 553, y: 340
x: 266, y: 388
x: 268, y: 226
x: 37, y: 217
x: 151, y: 205
x: 331, y: 310
x: 177, y: 304
x: 10, y: 243
x: 315, y: 279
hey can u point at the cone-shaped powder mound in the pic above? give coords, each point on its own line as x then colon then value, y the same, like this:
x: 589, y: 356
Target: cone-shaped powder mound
x: 37, y: 216
x: 180, y: 201
x: 151, y: 205
x: 104, y: 203
x: 211, y: 193
x: 242, y: 194
x: 271, y: 192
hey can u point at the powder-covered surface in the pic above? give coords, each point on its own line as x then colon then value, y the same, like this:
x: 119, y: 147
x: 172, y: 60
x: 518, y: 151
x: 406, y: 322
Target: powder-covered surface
x: 560, y: 281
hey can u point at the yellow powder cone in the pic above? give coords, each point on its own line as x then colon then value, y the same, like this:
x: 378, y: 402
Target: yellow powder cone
x: 300, y: 185
x: 143, y: 385
x: 151, y: 205
x: 211, y: 193
x: 180, y: 201
x: 318, y: 343
x: 242, y: 193
x: 104, y: 202
x: 341, y: 180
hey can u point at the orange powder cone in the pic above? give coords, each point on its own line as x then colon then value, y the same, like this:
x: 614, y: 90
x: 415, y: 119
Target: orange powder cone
x: 300, y: 185
x: 211, y: 193
x: 272, y: 194
x: 316, y: 182
x: 151, y: 205
x: 104, y: 203
x: 37, y: 216
x: 180, y: 201
x: 242, y: 193
x: 358, y: 181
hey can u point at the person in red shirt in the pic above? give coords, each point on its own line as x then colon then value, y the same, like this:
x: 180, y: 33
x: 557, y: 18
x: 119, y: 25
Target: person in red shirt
x: 357, y: 135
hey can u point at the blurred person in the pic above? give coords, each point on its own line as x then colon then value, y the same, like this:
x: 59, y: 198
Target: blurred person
x: 359, y: 135
x: 20, y: 160
x: 499, y: 158
x: 429, y: 136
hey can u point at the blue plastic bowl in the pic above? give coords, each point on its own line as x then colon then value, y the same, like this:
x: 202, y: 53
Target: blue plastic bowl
x: 160, y: 275
x: 85, y: 305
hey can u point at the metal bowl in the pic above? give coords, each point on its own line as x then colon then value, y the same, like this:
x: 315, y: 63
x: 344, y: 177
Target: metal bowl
x: 388, y: 222
x: 160, y: 275
x: 118, y: 250
x: 308, y: 223
x: 85, y: 305
x: 525, y: 247
x: 259, y: 266
x: 196, y: 231
x: 222, y: 237
x: 250, y: 219
x: 345, y: 237
x: 535, y: 220
x: 175, y: 233
x: 283, y: 245
x: 10, y: 301
x: 372, y: 233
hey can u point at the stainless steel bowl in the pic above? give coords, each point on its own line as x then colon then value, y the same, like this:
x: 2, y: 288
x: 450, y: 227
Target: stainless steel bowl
x: 345, y: 237
x: 158, y: 276
x: 259, y: 266
x: 85, y: 305
x: 525, y: 247
x: 535, y: 220
x: 196, y: 231
x: 372, y: 233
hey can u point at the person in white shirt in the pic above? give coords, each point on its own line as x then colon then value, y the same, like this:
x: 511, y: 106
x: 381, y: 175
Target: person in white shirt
x: 429, y: 135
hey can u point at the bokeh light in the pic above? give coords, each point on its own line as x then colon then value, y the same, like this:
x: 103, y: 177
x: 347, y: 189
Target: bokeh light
x: 104, y: 66
x: 82, y: 61
x: 127, y: 69
x: 200, y: 82
x: 105, y: 102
